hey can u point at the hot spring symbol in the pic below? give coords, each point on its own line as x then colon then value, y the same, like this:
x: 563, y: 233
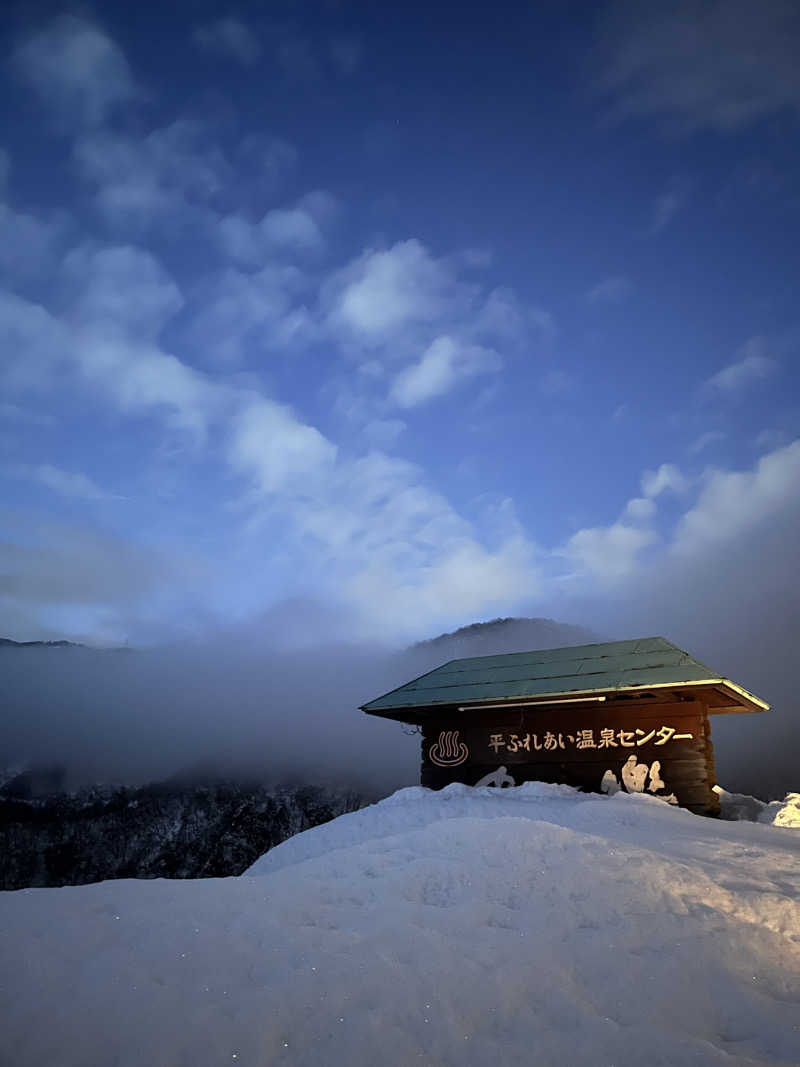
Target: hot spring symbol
x: 448, y: 751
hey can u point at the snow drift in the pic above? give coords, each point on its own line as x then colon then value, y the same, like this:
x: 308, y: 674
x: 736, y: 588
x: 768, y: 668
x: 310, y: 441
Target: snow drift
x: 531, y: 926
x: 784, y: 812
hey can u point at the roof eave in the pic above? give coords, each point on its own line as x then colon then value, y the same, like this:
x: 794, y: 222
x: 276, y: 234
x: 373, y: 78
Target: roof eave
x: 746, y: 695
x: 749, y: 702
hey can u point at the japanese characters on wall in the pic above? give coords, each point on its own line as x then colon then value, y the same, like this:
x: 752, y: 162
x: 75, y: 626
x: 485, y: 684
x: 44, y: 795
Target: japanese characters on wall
x: 584, y: 738
x: 660, y: 749
x: 630, y: 716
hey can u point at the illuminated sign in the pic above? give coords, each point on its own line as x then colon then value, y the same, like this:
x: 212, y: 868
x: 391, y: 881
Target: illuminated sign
x: 448, y: 751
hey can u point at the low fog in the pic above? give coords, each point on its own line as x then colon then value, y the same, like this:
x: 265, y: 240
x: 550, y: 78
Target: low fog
x: 227, y: 707
x: 201, y: 711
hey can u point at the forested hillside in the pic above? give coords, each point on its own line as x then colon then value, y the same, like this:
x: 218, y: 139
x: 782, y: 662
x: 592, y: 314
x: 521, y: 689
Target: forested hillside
x: 164, y: 830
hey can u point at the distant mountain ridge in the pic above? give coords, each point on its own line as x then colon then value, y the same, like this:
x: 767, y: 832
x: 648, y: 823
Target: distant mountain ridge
x: 6, y: 642
x: 499, y: 636
x: 494, y: 637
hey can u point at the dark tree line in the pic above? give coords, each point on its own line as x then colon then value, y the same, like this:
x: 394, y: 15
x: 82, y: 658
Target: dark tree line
x: 163, y: 830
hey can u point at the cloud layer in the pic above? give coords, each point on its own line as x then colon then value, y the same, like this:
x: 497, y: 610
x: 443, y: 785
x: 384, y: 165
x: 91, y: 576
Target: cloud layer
x: 703, y: 64
x: 256, y: 391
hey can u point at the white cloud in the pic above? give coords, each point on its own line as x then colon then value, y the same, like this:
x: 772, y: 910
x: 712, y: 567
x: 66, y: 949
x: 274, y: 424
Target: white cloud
x: 229, y: 37
x: 608, y: 553
x: 443, y: 365
x: 667, y: 477
x: 296, y: 230
x: 706, y: 439
x: 640, y: 508
x: 76, y: 69
x: 425, y: 322
x: 266, y: 440
x: 610, y: 290
x: 398, y: 300
x: 502, y: 319
x: 383, y: 433
x: 167, y: 177
x: 43, y: 352
x: 734, y: 549
x: 120, y: 286
x: 68, y: 483
x: 734, y: 502
x: 345, y: 521
x: 402, y: 553
x: 465, y: 580
x: 382, y: 293
x: 28, y: 245
x: 703, y: 64
x: 279, y: 451
x: 142, y: 379
x: 376, y: 507
x: 32, y: 342
x: 291, y: 228
x: 322, y: 206
x: 237, y: 313
x: 370, y: 529
x: 751, y: 368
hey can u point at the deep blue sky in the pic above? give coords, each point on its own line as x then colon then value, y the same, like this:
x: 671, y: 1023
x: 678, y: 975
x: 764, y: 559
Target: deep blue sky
x: 415, y: 317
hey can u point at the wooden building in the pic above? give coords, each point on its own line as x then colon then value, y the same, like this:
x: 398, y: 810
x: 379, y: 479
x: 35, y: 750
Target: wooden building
x: 629, y: 715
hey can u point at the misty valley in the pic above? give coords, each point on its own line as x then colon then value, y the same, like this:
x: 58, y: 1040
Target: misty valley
x: 191, y: 762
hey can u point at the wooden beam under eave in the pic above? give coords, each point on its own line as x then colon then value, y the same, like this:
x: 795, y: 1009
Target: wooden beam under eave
x: 721, y: 700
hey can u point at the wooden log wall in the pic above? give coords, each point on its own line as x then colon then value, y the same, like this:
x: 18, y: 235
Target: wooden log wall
x: 576, y: 745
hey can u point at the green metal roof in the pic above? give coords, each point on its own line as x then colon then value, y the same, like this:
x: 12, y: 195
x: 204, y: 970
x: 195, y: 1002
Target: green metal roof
x: 614, y: 665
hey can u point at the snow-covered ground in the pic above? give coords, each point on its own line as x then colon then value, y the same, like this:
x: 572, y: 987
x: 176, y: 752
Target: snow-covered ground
x: 532, y: 926
x: 784, y: 812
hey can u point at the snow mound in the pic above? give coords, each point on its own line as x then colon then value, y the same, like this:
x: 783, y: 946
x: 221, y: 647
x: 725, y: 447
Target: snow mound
x: 738, y: 806
x: 529, y: 926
